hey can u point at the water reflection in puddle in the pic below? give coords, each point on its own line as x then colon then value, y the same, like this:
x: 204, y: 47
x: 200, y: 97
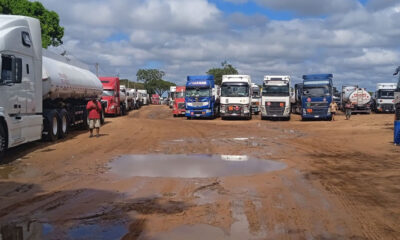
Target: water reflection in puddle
x: 190, y: 166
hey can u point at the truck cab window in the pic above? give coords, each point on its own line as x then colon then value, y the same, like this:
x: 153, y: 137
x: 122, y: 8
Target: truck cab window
x: 11, y: 70
x: 6, y: 69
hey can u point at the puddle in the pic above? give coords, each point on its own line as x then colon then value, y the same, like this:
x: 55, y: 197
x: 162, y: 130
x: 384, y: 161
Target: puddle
x: 13, y: 170
x: 194, y: 232
x: 31, y: 230
x: 97, y: 232
x: 37, y: 230
x: 190, y: 166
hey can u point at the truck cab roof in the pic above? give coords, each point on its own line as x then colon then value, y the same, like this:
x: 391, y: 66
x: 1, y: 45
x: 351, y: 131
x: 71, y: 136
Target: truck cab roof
x: 236, y: 78
x: 317, y: 76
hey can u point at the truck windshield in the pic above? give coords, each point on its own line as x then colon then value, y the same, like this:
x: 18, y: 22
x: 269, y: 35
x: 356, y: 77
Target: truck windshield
x: 180, y: 94
x: 386, y: 94
x: 256, y: 93
x: 198, y: 92
x: 107, y: 92
x: 320, y: 91
x: 231, y: 90
x: 282, y: 91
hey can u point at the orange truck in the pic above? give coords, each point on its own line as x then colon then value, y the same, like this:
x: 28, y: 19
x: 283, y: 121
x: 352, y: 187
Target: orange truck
x: 179, y: 108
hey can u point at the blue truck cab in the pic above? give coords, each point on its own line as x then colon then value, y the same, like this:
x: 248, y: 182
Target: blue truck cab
x: 316, y: 97
x: 202, y: 97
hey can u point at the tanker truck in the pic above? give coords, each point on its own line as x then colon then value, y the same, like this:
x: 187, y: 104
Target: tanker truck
x: 359, y: 97
x: 42, y: 94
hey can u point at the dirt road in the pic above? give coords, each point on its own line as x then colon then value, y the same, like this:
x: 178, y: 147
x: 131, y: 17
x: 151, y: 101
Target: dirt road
x: 152, y: 176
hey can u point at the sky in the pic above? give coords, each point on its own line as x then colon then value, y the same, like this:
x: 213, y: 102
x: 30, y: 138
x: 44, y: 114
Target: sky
x: 358, y: 41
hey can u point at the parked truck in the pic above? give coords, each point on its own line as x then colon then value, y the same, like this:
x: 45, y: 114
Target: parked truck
x: 359, y: 97
x: 296, y: 99
x: 317, y: 96
x: 42, y: 94
x: 236, y: 96
x: 145, y: 97
x: 202, y: 97
x: 255, y: 99
x: 111, y: 98
x: 384, y: 98
x: 128, y: 101
x: 155, y: 99
x: 179, y: 108
x: 133, y: 93
x: 275, y: 101
x: 171, y: 96
x: 397, y: 97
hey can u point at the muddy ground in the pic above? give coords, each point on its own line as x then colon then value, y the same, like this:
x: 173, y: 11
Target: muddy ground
x: 325, y: 180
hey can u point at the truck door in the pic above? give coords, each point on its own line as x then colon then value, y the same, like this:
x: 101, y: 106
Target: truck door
x: 14, y: 95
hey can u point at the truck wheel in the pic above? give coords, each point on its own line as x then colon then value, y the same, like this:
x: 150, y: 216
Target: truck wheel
x: 102, y: 117
x: 85, y: 120
x: 52, y: 129
x: 63, y: 124
x: 3, y: 142
x: 250, y: 116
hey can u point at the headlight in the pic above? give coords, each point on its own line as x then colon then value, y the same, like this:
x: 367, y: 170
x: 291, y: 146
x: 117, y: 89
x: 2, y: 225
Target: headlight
x: 189, y: 104
x: 205, y: 104
x: 304, y: 111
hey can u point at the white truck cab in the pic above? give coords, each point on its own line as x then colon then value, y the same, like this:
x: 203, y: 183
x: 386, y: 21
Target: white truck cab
x: 236, y: 95
x: 384, y: 97
x: 275, y: 100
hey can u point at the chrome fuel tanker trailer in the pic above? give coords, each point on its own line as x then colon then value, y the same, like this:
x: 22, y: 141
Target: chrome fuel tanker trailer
x: 42, y: 94
x: 359, y: 97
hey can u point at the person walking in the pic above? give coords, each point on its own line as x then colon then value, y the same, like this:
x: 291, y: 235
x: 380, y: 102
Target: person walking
x: 94, y: 110
x: 333, y: 107
x: 348, y: 108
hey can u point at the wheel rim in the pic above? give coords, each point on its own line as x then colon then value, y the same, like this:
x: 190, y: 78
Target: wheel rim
x: 55, y: 126
x: 64, y: 124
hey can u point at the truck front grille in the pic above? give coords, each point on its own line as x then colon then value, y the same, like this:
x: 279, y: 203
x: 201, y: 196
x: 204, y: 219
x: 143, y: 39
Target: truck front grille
x: 181, y: 105
x: 234, y: 109
x: 275, y: 108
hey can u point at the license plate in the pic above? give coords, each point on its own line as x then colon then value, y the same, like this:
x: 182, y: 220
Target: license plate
x: 316, y: 116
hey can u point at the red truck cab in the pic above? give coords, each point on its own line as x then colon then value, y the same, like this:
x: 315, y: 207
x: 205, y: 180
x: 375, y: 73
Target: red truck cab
x: 179, y: 108
x: 155, y: 99
x: 110, y: 95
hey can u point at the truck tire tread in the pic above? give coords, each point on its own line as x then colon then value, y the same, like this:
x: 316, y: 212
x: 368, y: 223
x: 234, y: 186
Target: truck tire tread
x: 3, y: 141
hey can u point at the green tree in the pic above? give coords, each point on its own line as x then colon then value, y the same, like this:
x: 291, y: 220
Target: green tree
x: 227, y: 69
x: 52, y: 32
x: 153, y: 82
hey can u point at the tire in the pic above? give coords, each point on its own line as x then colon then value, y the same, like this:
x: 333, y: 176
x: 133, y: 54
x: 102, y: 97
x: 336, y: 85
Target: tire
x: 256, y: 113
x: 174, y: 115
x: 250, y: 116
x: 102, y: 117
x: 85, y: 119
x: 3, y: 141
x: 188, y: 118
x: 52, y: 125
x: 63, y: 124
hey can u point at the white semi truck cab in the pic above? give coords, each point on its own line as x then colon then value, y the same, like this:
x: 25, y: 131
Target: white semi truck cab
x: 384, y: 97
x: 236, y: 96
x: 41, y: 93
x: 275, y: 100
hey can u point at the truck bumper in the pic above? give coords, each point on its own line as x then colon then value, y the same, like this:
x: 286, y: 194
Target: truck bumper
x: 179, y: 111
x: 255, y: 109
x: 199, y: 113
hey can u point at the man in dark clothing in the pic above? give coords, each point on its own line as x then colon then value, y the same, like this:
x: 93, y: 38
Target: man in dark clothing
x: 94, y: 111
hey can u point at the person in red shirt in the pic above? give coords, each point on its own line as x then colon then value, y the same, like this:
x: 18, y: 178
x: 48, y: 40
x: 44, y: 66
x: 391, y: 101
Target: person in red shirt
x: 94, y: 111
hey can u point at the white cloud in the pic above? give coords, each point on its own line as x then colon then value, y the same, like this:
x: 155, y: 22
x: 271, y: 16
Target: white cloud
x: 355, y: 43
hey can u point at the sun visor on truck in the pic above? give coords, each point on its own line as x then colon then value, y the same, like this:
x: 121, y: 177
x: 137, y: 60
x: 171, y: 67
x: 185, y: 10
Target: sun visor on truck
x: 317, y: 76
